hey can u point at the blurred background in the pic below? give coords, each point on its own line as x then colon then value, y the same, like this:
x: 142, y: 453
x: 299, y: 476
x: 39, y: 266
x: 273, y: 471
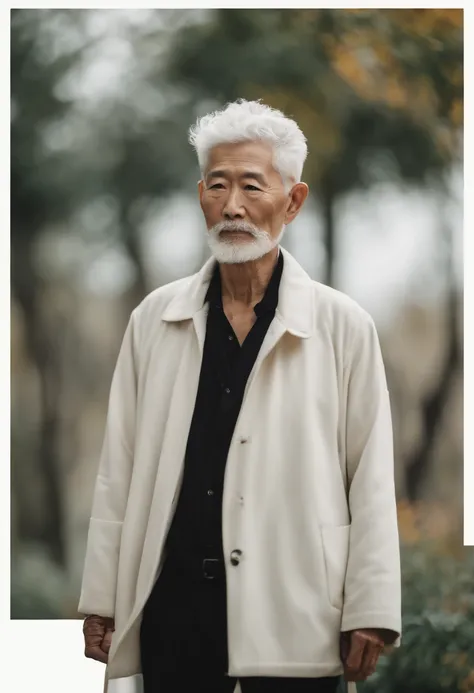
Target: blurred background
x: 104, y: 209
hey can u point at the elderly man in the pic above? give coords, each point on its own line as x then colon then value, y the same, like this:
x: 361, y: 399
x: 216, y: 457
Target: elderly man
x: 244, y: 529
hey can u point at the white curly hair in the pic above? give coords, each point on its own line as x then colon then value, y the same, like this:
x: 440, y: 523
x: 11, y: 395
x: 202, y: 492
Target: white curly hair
x: 243, y: 121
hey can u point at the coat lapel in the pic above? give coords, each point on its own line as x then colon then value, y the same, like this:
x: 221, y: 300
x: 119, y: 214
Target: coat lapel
x: 295, y: 309
x: 200, y: 320
x: 296, y: 305
x: 186, y: 303
x: 295, y: 312
x: 171, y: 465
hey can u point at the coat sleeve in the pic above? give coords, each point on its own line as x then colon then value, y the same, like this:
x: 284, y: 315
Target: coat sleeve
x: 99, y: 579
x: 372, y: 595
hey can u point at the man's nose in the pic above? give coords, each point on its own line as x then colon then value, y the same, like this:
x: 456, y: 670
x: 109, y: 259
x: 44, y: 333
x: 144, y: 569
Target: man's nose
x: 233, y: 207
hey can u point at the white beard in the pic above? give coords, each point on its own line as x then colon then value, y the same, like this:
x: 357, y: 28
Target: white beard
x: 231, y: 251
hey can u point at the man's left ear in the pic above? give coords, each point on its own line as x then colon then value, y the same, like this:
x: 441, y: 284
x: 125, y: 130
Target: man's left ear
x: 298, y: 195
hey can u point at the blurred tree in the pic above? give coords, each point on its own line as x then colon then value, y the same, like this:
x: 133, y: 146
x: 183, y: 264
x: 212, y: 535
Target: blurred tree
x: 435, y: 401
x: 378, y: 94
x: 135, y: 149
x: 287, y: 58
x: 149, y: 166
x: 39, y: 184
x: 411, y: 60
x: 127, y: 155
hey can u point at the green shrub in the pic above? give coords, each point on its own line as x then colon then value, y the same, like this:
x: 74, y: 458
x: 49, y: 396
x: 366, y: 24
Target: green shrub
x: 437, y: 650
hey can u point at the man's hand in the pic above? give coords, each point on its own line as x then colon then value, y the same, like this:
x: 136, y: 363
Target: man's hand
x: 360, y: 651
x: 98, y: 637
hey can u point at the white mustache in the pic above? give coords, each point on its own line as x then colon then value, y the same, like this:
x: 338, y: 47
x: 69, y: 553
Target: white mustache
x: 230, y: 251
x: 237, y: 226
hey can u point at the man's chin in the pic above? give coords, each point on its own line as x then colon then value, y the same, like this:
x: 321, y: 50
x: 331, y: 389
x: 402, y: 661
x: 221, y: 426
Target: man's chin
x: 237, y: 253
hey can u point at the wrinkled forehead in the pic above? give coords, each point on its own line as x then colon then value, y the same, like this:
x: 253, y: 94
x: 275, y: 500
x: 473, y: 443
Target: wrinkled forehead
x: 242, y: 155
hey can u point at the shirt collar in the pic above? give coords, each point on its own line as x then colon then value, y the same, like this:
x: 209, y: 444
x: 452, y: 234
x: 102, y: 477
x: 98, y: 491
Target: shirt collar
x: 299, y: 297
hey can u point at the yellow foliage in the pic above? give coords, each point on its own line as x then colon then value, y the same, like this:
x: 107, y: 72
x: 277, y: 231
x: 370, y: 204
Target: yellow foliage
x: 468, y: 683
x: 423, y: 101
x: 452, y: 15
x: 408, y: 523
x: 416, y: 20
x: 429, y: 521
x: 395, y: 94
x: 366, y: 59
x: 456, y: 114
x: 383, y: 53
x: 455, y: 75
x: 427, y: 21
x: 348, y: 66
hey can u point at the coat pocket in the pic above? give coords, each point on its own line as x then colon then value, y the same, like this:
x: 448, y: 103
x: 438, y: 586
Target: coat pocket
x: 336, y: 553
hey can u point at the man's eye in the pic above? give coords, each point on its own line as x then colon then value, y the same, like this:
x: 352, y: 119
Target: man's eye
x: 252, y: 188
x: 216, y: 186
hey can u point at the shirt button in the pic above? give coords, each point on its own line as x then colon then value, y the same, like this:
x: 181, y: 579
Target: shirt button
x: 210, y: 492
x: 235, y: 556
x: 227, y: 390
x: 230, y: 338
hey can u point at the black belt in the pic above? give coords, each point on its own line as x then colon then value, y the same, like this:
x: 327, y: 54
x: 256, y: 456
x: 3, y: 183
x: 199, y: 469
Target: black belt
x: 213, y: 569
x: 194, y: 568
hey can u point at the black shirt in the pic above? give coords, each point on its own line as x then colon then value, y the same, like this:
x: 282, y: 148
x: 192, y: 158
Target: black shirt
x: 196, y: 529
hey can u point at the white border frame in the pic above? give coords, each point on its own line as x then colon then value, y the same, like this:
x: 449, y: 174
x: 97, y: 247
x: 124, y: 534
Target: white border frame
x: 48, y: 655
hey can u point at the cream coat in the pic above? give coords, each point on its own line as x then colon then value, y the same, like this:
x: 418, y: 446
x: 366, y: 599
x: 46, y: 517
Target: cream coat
x: 309, y: 493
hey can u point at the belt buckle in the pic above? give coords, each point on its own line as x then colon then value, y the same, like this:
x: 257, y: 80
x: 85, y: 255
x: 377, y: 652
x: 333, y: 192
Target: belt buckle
x: 206, y: 574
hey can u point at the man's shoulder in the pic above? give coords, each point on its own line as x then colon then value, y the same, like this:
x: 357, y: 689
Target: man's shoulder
x: 156, y: 302
x: 339, y: 308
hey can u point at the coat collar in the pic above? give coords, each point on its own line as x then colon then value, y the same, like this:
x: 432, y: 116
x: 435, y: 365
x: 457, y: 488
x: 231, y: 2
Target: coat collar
x: 296, y: 305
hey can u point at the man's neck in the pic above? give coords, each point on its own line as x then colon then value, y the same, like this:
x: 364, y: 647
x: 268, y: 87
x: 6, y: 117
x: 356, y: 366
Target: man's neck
x: 247, y: 282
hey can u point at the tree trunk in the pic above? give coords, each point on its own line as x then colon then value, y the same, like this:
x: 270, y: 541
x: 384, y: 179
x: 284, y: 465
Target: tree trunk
x: 131, y: 241
x: 26, y: 287
x: 434, y: 403
x: 433, y: 406
x: 328, y: 199
x: 54, y: 531
x: 139, y: 289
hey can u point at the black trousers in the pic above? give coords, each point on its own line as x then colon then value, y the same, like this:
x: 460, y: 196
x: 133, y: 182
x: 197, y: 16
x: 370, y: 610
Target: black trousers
x: 183, y: 642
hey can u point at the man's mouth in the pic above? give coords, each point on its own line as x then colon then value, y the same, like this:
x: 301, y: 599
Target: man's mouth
x: 236, y: 232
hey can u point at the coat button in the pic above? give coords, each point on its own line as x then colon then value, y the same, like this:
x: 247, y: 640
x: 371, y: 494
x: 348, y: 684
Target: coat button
x: 235, y: 556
